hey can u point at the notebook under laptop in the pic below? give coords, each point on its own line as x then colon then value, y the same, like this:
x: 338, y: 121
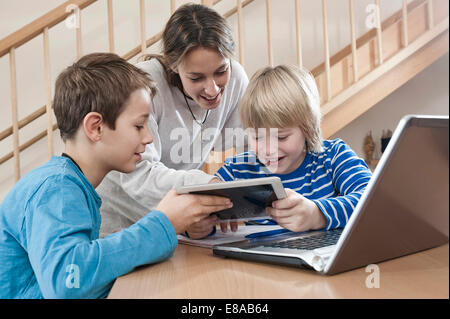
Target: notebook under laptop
x: 405, y: 209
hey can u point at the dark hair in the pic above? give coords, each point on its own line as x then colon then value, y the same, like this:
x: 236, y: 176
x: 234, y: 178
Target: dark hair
x: 97, y: 82
x: 189, y: 27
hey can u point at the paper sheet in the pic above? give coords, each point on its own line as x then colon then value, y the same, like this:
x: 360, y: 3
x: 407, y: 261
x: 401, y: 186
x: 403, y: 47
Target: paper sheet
x: 224, y: 238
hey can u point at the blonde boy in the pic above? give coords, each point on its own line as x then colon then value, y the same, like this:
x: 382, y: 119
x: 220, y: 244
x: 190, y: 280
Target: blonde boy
x: 324, y: 179
x: 50, y: 220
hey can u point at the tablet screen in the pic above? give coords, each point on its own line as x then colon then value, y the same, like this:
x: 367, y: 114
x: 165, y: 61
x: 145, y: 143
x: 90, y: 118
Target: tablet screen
x: 248, y: 202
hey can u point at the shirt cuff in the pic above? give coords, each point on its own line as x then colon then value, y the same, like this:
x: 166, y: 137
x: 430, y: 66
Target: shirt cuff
x: 197, y: 177
x: 210, y: 234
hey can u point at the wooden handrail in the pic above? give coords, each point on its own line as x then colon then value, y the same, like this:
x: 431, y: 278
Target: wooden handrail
x: 315, y: 71
x: 59, y: 14
x: 27, y: 120
x: 36, y: 27
x: 50, y: 19
x: 388, y: 65
x: 370, y: 35
x: 208, y: 3
x: 27, y: 144
x: 155, y: 38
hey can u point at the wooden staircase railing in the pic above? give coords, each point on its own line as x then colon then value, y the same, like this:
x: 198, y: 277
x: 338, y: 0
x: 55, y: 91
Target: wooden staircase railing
x: 343, y: 76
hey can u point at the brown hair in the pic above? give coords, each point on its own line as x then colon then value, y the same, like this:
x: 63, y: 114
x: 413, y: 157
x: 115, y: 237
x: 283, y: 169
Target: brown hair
x: 98, y: 82
x: 283, y: 96
x: 189, y: 27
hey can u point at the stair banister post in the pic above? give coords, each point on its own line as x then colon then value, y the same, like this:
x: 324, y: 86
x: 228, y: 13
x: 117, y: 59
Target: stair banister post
x: 405, y: 23
x: 430, y: 14
x: 48, y: 93
x: 269, y: 38
x: 379, y: 40
x: 326, y: 49
x: 299, y: 38
x: 143, y: 31
x: 353, y: 39
x: 240, y: 32
x: 15, y: 123
x: 111, y: 27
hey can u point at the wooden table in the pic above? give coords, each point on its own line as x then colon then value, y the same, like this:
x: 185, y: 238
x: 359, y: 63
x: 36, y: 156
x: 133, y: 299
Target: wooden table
x: 194, y: 272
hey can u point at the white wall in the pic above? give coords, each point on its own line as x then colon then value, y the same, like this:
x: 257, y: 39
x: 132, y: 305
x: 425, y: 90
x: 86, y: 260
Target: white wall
x: 427, y: 93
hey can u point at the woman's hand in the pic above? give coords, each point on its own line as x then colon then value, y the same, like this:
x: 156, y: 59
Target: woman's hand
x: 297, y: 213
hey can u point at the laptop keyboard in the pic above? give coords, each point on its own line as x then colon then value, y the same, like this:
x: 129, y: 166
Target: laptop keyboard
x: 323, y: 239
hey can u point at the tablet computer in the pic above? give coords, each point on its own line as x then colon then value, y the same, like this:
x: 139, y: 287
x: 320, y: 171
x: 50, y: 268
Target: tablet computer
x: 250, y: 197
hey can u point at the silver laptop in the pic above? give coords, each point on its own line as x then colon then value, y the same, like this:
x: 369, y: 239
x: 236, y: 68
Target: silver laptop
x: 405, y: 209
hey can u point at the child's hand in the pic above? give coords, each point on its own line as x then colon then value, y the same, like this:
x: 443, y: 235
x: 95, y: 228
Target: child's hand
x: 223, y: 225
x: 297, y: 213
x: 203, y: 228
x: 186, y: 209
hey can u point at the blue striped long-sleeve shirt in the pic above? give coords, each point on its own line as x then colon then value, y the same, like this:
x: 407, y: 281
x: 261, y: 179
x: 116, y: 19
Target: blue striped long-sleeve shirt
x: 333, y: 179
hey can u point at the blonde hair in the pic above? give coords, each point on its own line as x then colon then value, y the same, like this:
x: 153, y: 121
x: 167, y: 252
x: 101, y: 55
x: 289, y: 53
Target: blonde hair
x: 283, y: 96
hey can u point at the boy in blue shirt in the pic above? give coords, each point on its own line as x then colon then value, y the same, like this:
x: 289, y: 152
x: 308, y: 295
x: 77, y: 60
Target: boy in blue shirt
x: 324, y: 179
x: 50, y: 220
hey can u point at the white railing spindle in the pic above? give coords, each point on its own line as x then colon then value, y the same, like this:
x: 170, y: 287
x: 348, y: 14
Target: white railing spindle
x: 240, y: 32
x: 405, y: 23
x: 48, y: 83
x: 269, y: 38
x: 327, y: 50
x: 379, y: 40
x: 111, y: 27
x: 298, y: 34
x: 15, y: 123
x: 143, y: 30
x: 79, y: 38
x: 353, y: 39
x: 430, y: 14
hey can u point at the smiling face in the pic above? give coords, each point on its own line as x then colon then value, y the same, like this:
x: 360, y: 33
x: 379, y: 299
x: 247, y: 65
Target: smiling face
x: 282, y: 151
x: 123, y: 145
x: 204, y: 74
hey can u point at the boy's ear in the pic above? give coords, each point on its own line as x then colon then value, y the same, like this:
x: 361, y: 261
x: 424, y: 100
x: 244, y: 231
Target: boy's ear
x: 93, y: 126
